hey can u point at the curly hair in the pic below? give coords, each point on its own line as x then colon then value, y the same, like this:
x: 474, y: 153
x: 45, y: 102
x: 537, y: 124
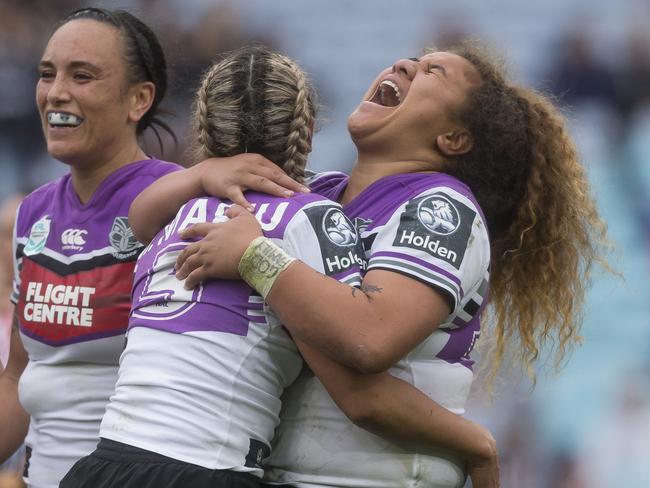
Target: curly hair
x: 545, y: 231
x: 256, y: 100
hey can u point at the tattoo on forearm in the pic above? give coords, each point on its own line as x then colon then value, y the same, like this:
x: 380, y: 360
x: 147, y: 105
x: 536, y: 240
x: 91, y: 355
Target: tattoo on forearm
x: 367, y: 289
x: 370, y: 288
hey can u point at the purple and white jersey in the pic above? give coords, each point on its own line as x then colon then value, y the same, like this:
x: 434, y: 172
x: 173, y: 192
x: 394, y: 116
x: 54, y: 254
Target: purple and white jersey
x: 73, y: 276
x: 430, y: 228
x: 203, y: 370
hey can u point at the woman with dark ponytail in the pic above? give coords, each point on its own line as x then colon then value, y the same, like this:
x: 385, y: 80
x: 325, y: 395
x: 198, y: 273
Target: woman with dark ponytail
x: 102, y: 79
x: 468, y: 196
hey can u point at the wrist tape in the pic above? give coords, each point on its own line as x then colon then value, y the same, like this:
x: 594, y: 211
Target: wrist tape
x: 262, y: 263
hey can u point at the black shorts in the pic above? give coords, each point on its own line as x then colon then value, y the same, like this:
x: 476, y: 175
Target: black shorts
x: 117, y: 465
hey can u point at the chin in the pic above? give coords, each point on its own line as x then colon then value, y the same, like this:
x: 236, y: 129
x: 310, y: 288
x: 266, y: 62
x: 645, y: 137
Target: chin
x: 66, y: 155
x: 358, y: 126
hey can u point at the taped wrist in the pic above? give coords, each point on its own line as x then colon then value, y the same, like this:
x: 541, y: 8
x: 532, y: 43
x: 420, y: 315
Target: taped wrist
x: 262, y: 263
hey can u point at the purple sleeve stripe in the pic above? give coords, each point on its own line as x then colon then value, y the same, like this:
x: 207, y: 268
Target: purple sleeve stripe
x: 420, y: 263
x: 345, y: 276
x: 417, y: 274
x: 257, y: 320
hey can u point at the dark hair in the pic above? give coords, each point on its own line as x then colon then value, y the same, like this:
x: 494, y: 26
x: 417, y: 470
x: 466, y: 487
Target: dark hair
x: 144, y: 57
x: 256, y: 100
x: 545, y: 231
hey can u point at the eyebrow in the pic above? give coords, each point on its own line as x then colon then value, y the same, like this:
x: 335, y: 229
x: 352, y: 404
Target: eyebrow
x: 73, y: 65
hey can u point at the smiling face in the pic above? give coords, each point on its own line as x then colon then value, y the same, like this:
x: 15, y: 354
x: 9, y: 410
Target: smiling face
x: 82, y: 95
x: 409, y: 111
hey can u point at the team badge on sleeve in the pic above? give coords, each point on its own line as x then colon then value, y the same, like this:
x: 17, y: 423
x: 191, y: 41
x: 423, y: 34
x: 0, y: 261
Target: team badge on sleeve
x: 122, y: 238
x: 339, y: 242
x: 437, y: 224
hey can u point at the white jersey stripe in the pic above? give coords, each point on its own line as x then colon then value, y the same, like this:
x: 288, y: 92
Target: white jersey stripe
x: 62, y: 258
x: 420, y: 272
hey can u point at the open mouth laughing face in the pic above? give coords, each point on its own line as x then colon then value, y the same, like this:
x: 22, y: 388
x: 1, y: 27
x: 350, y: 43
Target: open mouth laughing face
x: 413, y: 101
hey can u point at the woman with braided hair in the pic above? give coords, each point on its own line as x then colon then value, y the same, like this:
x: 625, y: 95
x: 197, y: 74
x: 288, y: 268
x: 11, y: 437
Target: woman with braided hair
x: 464, y: 182
x: 198, y: 394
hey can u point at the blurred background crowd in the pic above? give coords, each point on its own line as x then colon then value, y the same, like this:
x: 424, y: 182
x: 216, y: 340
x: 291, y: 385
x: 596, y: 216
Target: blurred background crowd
x: 585, y: 427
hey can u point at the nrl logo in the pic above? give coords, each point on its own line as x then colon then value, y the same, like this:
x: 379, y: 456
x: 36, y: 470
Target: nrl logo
x: 121, y: 236
x: 38, y: 236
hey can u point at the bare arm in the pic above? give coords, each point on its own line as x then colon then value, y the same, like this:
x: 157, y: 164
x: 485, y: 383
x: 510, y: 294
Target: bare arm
x: 220, y: 177
x: 13, y: 418
x: 368, y: 329
x: 396, y: 410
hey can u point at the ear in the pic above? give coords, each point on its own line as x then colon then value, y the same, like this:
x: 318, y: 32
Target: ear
x: 455, y: 142
x: 141, y: 97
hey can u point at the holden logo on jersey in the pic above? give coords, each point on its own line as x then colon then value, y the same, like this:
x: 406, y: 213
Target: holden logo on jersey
x: 338, y: 228
x: 122, y: 238
x: 340, y: 246
x: 73, y: 239
x: 37, y: 236
x: 439, y: 215
x: 432, y: 224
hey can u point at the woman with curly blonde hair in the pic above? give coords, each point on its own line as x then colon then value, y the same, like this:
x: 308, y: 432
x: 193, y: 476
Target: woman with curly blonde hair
x: 464, y: 183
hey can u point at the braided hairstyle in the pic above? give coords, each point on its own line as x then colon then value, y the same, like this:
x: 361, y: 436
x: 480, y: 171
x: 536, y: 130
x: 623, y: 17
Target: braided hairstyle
x: 144, y: 58
x: 545, y: 231
x: 256, y: 100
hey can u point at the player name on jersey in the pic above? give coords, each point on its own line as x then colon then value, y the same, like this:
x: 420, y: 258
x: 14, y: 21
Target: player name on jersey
x: 58, y: 304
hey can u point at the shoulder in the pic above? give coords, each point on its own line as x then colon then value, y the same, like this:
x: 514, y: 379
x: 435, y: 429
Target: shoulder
x: 325, y: 179
x: 302, y: 213
x: 154, y: 168
x: 424, y: 193
x: 41, y: 199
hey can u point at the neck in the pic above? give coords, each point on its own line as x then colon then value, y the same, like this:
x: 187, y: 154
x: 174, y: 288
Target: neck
x: 87, y: 178
x: 368, y: 170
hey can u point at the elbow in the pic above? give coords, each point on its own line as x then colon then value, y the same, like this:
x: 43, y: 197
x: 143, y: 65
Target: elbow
x: 138, y: 228
x: 368, y: 359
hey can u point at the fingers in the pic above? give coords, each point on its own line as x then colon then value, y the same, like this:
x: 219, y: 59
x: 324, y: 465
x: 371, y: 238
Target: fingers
x: 195, y: 278
x: 237, y: 197
x: 181, y: 260
x: 274, y: 182
x: 235, y: 211
x: 276, y: 176
x: 196, y: 230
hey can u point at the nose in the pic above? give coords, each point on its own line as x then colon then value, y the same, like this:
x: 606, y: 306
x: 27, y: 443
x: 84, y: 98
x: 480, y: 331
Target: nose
x: 58, y: 92
x: 405, y: 67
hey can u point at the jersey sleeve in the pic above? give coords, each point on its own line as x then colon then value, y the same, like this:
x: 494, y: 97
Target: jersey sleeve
x: 323, y: 237
x: 439, y: 238
x: 18, y: 261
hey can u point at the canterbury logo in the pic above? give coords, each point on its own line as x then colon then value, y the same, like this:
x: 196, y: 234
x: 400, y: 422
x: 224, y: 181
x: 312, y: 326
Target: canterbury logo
x: 73, y: 237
